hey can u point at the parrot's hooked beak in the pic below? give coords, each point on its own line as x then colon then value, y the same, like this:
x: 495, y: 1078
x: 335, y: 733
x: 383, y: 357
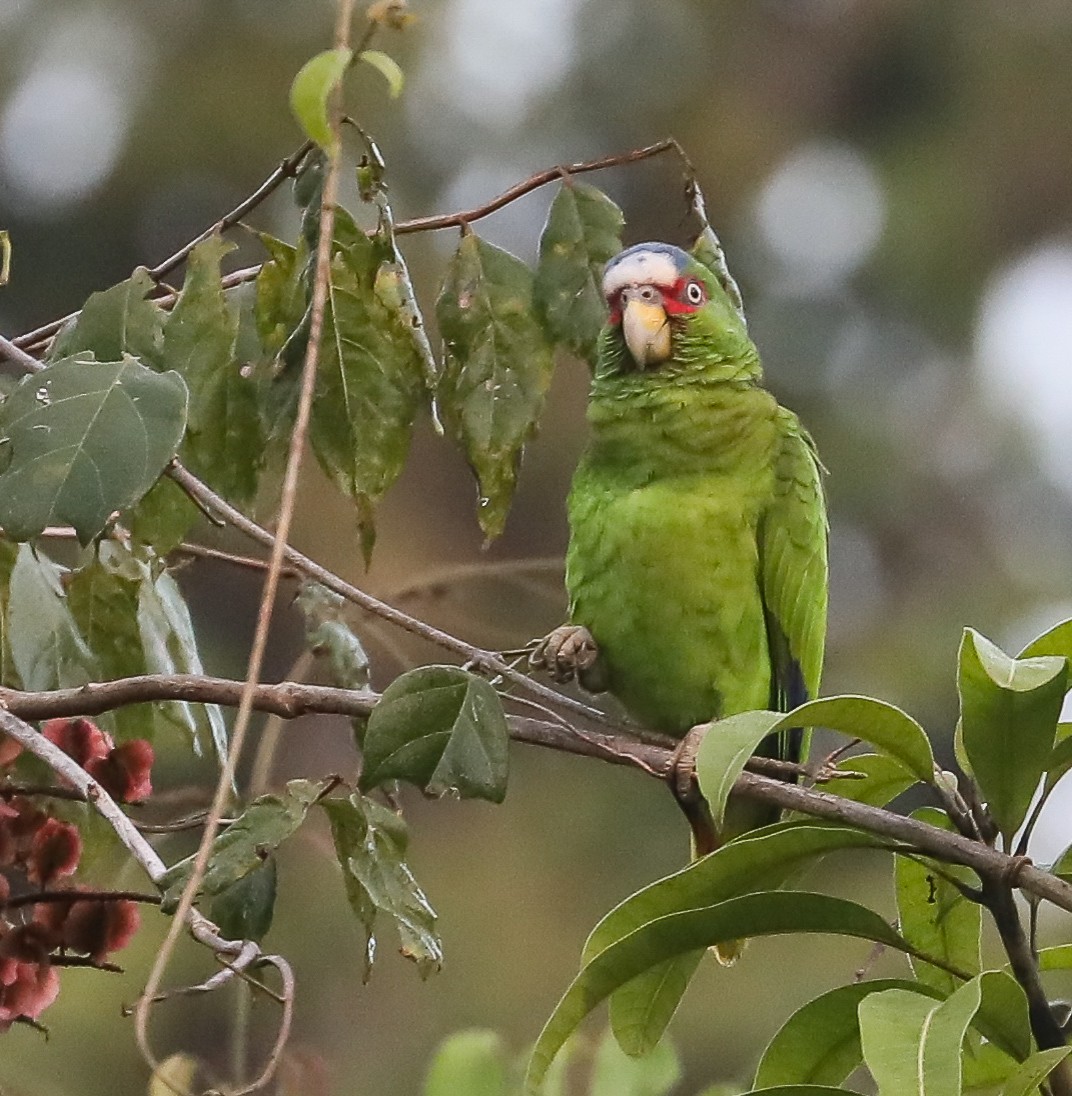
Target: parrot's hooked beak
x: 645, y: 325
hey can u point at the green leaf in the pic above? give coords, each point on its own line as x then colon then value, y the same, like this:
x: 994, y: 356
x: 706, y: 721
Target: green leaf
x: 46, y: 647
x: 614, y: 1073
x: 281, y: 297
x: 934, y: 916
x: 642, y: 1009
x: 85, y: 439
x: 471, y: 1062
x: 370, y: 843
x: 885, y: 778
x: 725, y: 750
x: 582, y: 233
x: 163, y: 517
x: 1058, y: 957
x: 9, y: 677
x: 310, y: 91
x: 1008, y: 712
x: 1036, y: 1069
x: 1054, y: 641
x: 912, y: 1045
x: 985, y: 1068
x: 328, y: 633
x: 224, y: 442
x: 243, y: 911
x: 496, y: 368
x: 761, y: 914
x: 246, y: 843
x: 387, y: 67
x: 799, y: 1090
x: 442, y: 729
x: 1061, y: 758
x: 115, y: 322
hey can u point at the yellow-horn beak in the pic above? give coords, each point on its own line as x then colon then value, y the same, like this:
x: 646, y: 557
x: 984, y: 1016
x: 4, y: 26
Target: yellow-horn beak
x: 645, y: 326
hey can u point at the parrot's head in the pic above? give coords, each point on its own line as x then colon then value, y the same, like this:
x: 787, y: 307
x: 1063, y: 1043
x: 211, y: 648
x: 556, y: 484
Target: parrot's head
x: 668, y: 311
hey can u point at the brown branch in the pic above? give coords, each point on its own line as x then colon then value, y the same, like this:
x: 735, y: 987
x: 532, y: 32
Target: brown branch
x: 53, y: 791
x: 73, y: 896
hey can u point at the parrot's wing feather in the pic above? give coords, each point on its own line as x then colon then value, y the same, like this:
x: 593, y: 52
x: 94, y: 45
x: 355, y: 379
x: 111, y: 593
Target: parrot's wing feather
x: 793, y: 573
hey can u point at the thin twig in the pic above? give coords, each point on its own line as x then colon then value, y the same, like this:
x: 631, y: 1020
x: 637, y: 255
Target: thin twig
x: 73, y: 896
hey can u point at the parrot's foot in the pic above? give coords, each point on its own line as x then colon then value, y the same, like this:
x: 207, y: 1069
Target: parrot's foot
x: 570, y: 652
x: 682, y: 780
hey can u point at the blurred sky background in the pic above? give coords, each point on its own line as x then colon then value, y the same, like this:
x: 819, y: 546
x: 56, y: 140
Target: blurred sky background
x: 892, y: 180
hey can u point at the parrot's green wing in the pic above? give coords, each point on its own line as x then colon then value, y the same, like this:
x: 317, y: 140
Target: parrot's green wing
x: 792, y: 550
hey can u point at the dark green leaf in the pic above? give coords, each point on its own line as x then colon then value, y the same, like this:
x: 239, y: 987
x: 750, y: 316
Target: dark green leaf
x: 761, y: 914
x: 243, y: 911
x: 370, y: 843
x: 1061, y: 759
x: 85, y: 439
x: 614, y: 1073
x: 328, y: 633
x: 583, y: 232
x: 281, y: 296
x: 473, y: 1063
x: 46, y: 647
x: 642, y: 1009
x: 246, y: 843
x: 934, y: 916
x: 496, y: 368
x: 1025, y: 1081
x: 442, y: 729
x: 310, y: 91
x: 885, y: 778
x: 1008, y: 710
x: 163, y: 517
x: 115, y: 322
x: 8, y: 675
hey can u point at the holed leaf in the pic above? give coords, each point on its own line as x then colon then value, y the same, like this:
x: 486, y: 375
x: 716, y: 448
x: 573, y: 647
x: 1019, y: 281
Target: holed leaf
x: 1009, y: 710
x: 370, y: 843
x: 496, y: 368
x: 583, y: 232
x: 442, y: 729
x: 85, y: 439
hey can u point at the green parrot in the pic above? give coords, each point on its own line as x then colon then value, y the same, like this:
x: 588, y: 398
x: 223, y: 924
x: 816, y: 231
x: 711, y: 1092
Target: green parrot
x: 697, y: 564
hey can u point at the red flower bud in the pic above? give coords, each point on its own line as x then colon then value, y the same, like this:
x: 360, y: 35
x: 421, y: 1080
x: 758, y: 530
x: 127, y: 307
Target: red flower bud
x: 96, y: 928
x: 125, y: 773
x: 80, y: 739
x: 30, y: 990
x: 54, y: 852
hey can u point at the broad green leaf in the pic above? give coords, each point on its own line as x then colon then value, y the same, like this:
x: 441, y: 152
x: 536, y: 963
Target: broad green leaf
x: 387, y: 67
x: 1036, y: 1069
x: 642, y: 1009
x: 246, y: 843
x: 9, y: 552
x: 243, y: 911
x: 1054, y: 641
x: 934, y: 916
x: 912, y: 1045
x: 163, y: 517
x: 370, y: 843
x: 582, y: 233
x: 496, y: 368
x: 442, y: 729
x: 885, y: 778
x: 1003, y: 1014
x: 224, y: 442
x: 614, y: 1073
x: 85, y: 439
x: 281, y: 298
x: 795, y: 1090
x: 1061, y: 758
x: 761, y: 914
x: 725, y: 750
x: 1058, y: 957
x: 471, y: 1062
x: 328, y: 633
x: 1008, y: 713
x: 46, y: 647
x: 986, y: 1068
x: 310, y: 91
x: 115, y: 322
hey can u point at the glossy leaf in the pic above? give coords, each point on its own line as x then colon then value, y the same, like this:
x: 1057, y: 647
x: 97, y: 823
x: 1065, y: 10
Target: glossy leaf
x: 761, y: 914
x: 912, y: 1046
x: 1025, y: 1081
x: 614, y: 1073
x: 442, y: 729
x: 885, y: 778
x: 114, y: 322
x: 1009, y: 710
x: 387, y: 67
x: 47, y: 649
x: 642, y: 1009
x: 471, y: 1062
x: 934, y: 916
x: 370, y: 843
x: 310, y: 91
x: 582, y: 233
x: 243, y: 911
x: 85, y: 439
x: 496, y: 368
x: 246, y: 843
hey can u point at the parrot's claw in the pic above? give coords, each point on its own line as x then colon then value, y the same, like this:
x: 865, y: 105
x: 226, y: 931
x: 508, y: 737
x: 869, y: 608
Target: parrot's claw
x: 567, y: 653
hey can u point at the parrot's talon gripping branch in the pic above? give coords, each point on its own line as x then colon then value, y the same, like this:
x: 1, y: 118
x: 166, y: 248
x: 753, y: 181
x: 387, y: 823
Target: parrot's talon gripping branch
x: 681, y: 776
x: 570, y: 653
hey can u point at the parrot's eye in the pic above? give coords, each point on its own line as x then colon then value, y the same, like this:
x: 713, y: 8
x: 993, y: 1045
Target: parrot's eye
x: 694, y: 293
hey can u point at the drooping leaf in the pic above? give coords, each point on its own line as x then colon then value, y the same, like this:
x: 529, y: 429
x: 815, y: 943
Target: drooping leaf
x: 642, y: 1009
x: 281, y: 298
x: 473, y: 1062
x: 934, y: 915
x: 223, y: 443
x: 496, y: 368
x: 582, y: 233
x: 8, y: 674
x: 113, y: 323
x: 328, y: 633
x: 387, y: 67
x: 46, y: 647
x: 615, y: 1073
x: 243, y: 911
x: 1025, y: 1081
x: 760, y: 914
x: 912, y: 1045
x: 442, y: 729
x: 246, y: 843
x: 370, y: 843
x: 885, y: 778
x: 1008, y: 713
x: 85, y: 439
x: 310, y: 91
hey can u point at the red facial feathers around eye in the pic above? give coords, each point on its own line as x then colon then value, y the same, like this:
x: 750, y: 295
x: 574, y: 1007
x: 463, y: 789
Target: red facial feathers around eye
x: 686, y: 295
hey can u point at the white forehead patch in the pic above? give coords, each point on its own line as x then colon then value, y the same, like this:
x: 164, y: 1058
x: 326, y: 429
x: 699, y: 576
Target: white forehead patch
x: 640, y: 268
